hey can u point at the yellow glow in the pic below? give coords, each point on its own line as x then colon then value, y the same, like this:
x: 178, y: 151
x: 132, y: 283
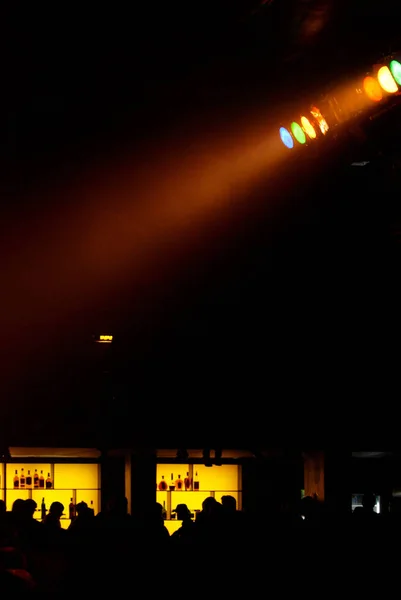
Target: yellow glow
x: 386, y: 80
x: 76, y: 476
x: 372, y: 89
x: 321, y: 121
x: 308, y: 128
x: 77, y: 481
x: 213, y: 481
x: 105, y: 339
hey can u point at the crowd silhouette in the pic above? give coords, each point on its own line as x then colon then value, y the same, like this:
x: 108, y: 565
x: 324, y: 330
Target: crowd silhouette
x: 114, y: 550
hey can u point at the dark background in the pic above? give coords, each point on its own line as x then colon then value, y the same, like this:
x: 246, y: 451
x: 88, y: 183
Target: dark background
x: 253, y: 330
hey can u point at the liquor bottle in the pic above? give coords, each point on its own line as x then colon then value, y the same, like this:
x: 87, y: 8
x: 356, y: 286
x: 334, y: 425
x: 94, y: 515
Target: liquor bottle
x: 187, y: 482
x: 71, y: 509
x: 16, y: 480
x: 162, y: 484
x: 29, y: 479
x: 43, y: 509
x: 22, y: 479
x: 49, y: 483
x: 92, y: 507
x: 41, y: 480
x: 172, y: 483
x: 36, y: 479
x: 179, y: 484
x: 196, y: 481
x: 164, y: 511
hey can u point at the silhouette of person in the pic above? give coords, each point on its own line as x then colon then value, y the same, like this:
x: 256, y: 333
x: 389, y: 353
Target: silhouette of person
x: 209, y: 522
x: 31, y: 529
x: 52, y: 522
x: 365, y: 515
x: 153, y: 527
x: 84, y: 521
x: 18, y: 512
x: 186, y: 533
x: 311, y: 511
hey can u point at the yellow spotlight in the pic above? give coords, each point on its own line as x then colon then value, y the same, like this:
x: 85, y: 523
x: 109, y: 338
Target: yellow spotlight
x: 372, y: 89
x: 308, y: 128
x: 387, y: 81
x: 321, y: 121
x: 105, y: 339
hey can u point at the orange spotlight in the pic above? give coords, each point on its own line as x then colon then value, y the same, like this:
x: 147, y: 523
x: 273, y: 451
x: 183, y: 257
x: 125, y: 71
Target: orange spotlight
x: 308, y: 128
x: 372, y: 89
x: 387, y: 81
x: 321, y: 121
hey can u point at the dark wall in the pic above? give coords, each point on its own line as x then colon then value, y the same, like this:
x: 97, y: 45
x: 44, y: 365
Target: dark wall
x: 378, y: 475
x: 270, y: 483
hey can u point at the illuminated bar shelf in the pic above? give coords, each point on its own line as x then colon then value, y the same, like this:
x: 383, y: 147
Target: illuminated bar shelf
x: 77, y: 481
x: 215, y: 481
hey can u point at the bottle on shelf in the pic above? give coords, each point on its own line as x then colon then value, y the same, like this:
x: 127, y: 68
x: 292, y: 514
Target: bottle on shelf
x: 164, y: 511
x: 43, y: 509
x: 162, y: 484
x: 187, y: 482
x: 29, y: 479
x: 196, y: 481
x: 16, y: 480
x: 41, y: 480
x: 49, y: 482
x: 71, y: 510
x: 179, y: 484
x: 22, y: 479
x: 92, y: 507
x: 172, y: 483
x: 36, y: 479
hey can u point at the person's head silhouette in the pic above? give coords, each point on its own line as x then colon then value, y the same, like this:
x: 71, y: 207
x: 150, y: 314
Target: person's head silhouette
x: 29, y: 507
x: 56, y: 509
x: 182, y: 511
x: 229, y: 503
x: 18, y: 506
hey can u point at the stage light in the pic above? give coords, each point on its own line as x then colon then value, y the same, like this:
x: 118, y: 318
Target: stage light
x: 298, y: 133
x: 286, y: 138
x: 321, y: 121
x: 387, y: 81
x: 372, y: 89
x: 395, y: 68
x: 308, y: 128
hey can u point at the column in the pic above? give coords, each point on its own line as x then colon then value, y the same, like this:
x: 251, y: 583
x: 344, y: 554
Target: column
x: 141, y: 481
x: 327, y: 473
x: 128, y: 482
x: 314, y: 467
x: 111, y: 477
